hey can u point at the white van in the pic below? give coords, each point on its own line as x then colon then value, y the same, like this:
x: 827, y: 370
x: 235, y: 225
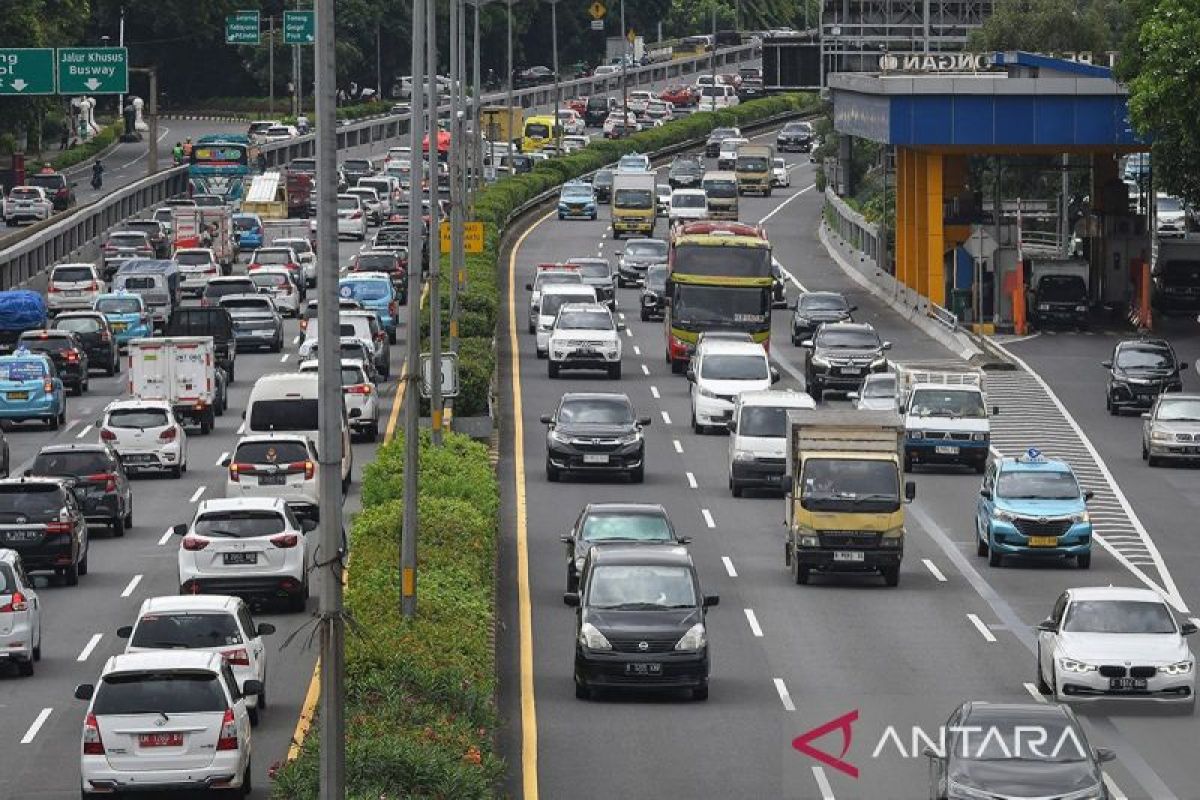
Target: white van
x: 715, y: 98
x: 553, y: 296
x: 286, y: 402
x: 720, y: 371
x: 758, y: 437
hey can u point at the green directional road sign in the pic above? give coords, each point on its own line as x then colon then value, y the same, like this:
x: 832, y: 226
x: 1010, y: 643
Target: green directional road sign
x: 242, y: 28
x: 93, y: 70
x: 26, y: 70
x: 299, y: 27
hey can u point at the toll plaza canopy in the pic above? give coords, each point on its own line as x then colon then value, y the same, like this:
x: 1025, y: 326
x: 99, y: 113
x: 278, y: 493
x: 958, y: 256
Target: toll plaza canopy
x: 938, y: 109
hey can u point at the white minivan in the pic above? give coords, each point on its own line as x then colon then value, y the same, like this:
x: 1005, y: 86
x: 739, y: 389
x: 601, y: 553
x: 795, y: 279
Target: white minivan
x: 758, y: 437
x: 286, y: 402
x: 721, y: 370
x: 553, y: 297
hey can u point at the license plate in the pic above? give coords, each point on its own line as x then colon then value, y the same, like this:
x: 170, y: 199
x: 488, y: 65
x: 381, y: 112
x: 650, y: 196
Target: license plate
x: 160, y: 740
x: 15, y: 537
x: 643, y: 669
x: 18, y: 395
x: 851, y: 371
x: 272, y: 480
x: 849, y: 555
x: 119, y: 326
x: 263, y: 333
x: 946, y: 450
x: 240, y: 558
x: 595, y: 458
x: 1126, y: 684
x: 1043, y: 541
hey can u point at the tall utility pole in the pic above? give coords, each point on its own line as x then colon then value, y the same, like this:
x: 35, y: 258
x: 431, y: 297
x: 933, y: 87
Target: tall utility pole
x: 121, y: 97
x: 477, y: 120
x: 508, y: 103
x: 435, y: 231
x: 412, y: 388
x: 624, y: 68
x: 713, y: 65
x: 457, y: 41
x: 378, y: 62
x: 557, y: 128
x: 330, y: 553
x: 271, y: 65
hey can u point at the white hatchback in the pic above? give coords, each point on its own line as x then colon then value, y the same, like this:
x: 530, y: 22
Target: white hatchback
x: 73, y: 287
x: 275, y: 465
x: 213, y: 623
x: 165, y: 721
x: 146, y: 435
x: 20, y: 615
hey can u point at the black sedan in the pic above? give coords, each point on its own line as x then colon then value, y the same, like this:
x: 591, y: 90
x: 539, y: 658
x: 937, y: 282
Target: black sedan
x: 641, y: 620
x: 814, y: 309
x: 654, y: 293
x: 100, y: 483
x: 41, y: 519
x: 685, y: 172
x: 1139, y: 371
x: 616, y: 523
x: 797, y: 136
x: 637, y: 257
x: 65, y: 350
x: 95, y: 334
x: 595, y: 433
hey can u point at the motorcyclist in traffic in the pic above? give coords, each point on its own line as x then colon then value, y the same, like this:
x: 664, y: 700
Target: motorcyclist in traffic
x: 177, y: 152
x: 97, y: 175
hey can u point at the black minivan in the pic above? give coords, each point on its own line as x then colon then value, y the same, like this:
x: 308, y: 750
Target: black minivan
x: 596, y: 111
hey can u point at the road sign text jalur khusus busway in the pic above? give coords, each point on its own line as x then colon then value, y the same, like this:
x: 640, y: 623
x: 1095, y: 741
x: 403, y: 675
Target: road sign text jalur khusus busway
x: 93, y: 70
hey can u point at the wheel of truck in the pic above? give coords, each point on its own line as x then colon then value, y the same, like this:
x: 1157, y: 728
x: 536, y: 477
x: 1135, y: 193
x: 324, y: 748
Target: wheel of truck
x: 800, y: 572
x: 891, y: 575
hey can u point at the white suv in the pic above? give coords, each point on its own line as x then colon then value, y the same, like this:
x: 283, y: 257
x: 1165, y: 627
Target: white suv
x: 166, y: 720
x: 146, y: 436
x: 213, y: 623
x: 20, y: 615
x: 197, y: 266
x: 246, y: 546
x: 360, y: 394
x: 275, y: 465
x: 73, y: 287
x: 585, y: 336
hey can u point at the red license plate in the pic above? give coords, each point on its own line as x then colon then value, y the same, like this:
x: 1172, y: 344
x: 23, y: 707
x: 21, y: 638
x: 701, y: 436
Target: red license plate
x: 160, y: 739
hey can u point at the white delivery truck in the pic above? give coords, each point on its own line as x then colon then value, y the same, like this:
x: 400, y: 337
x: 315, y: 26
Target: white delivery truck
x: 181, y: 370
x: 946, y: 416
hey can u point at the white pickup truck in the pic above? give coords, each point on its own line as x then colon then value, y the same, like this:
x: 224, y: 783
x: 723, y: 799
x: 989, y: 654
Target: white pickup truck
x: 946, y: 416
x: 181, y: 370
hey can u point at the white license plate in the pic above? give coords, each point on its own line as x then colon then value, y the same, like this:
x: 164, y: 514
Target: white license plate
x: 848, y: 555
x: 851, y: 371
x: 595, y: 458
x: 264, y: 333
x: 946, y: 450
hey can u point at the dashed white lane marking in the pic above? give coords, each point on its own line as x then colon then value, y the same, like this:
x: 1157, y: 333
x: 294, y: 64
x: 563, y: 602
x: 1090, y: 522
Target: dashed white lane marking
x: 1033, y: 692
x: 793, y: 279
x: 983, y: 629
x: 196, y: 495
x: 692, y: 481
x: 621, y: 315
x: 36, y: 726
x: 222, y: 457
x: 781, y: 206
x: 645, y: 370
x: 823, y: 783
x: 932, y: 567
x: 296, y: 340
x: 166, y: 537
x: 1114, y: 792
x: 784, y: 697
x: 86, y: 430
x: 86, y: 653
x: 71, y: 424
x: 728, y: 562
x: 241, y: 429
x: 654, y: 392
x: 666, y: 417
x: 752, y: 620
x: 133, y: 582
x: 284, y: 358
x: 678, y: 445
x: 637, y: 351
x: 708, y: 518
x: 629, y: 332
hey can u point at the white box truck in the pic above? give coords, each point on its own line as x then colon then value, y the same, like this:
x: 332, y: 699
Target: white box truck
x: 181, y: 370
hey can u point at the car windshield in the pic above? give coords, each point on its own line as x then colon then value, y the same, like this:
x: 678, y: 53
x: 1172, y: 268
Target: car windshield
x: 698, y: 307
x: 272, y: 257
x: 246, y: 303
x: 118, y: 305
x: 78, y: 324
x: 24, y: 194
x: 1118, y: 616
x: 192, y: 259
x: 72, y: 462
x: 822, y: 302
x: 1169, y: 204
x: 46, y: 344
x: 1144, y: 358
x: 1179, y: 410
x: 656, y: 278
x: 56, y: 181
x: 1045, y: 739
x: 298, y: 246
x: 952, y: 403
x: 537, y: 130
x: 845, y: 484
x: 137, y: 418
x: 552, y: 301
x: 584, y: 321
x: 1062, y: 288
x: 184, y: 630
x: 603, y: 178
x: 577, y: 192
x: 752, y: 163
x: 356, y: 165
x: 222, y: 288
x: 1037, y: 485
x: 596, y: 411
x: 165, y: 692
x: 856, y: 339
x: 289, y: 414
x: 732, y: 367
x: 880, y: 387
x: 350, y: 203
x: 72, y: 274
x: 365, y: 290
x: 637, y: 587
x: 796, y: 127
x: 381, y: 262
x: 240, y: 524
x: 246, y: 223
x: 688, y: 200
x: 37, y: 502
x: 557, y: 276
x: 766, y: 421
x: 720, y: 133
x: 636, y: 527
x: 267, y: 280
x: 283, y: 452
x: 646, y: 250
x: 127, y: 239
x: 720, y: 188
x: 633, y: 198
x: 595, y: 269
x: 145, y: 225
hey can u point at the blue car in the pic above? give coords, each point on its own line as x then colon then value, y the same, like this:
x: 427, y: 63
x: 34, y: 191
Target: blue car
x: 374, y: 292
x: 248, y: 229
x: 577, y: 200
x: 31, y: 389
x: 1032, y: 506
x: 127, y: 314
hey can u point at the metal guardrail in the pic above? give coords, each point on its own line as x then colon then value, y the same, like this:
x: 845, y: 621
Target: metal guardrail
x: 56, y: 239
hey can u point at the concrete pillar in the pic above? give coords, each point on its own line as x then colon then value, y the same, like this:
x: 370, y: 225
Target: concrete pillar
x: 933, y: 264
x: 845, y: 155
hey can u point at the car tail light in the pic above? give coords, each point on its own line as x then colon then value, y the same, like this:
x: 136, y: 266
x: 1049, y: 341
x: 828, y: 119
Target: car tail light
x: 285, y: 540
x: 105, y: 336
x: 47, y: 385
x: 58, y: 528
x: 95, y: 287
x: 379, y: 336
x: 194, y: 543
x: 237, y: 658
x: 235, y: 469
x: 15, y: 603
x: 306, y: 466
x: 228, y: 740
x: 93, y: 745
x: 107, y: 478
x: 359, y: 388
x: 73, y: 356
x: 303, y: 324
x: 254, y: 266
x: 52, y: 289
x: 394, y: 308
x: 356, y: 215
x: 108, y: 248
x: 107, y: 436
x: 169, y: 434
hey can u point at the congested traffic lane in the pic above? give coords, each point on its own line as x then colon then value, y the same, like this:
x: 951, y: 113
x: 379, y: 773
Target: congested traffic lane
x: 39, y: 750
x: 948, y: 633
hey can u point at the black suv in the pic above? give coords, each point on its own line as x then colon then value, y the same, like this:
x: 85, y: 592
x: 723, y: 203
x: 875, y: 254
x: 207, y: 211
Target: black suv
x: 640, y: 622
x: 65, y: 350
x: 685, y: 172
x: 814, y: 309
x: 602, y: 185
x: 712, y: 145
x: 355, y: 168
x: 213, y: 321
x: 1139, y: 371
x: 1060, y: 300
x: 616, y: 523
x: 100, y: 483
x: 654, y: 293
x: 798, y: 136
x: 840, y: 355
x: 95, y: 335
x: 41, y: 519
x: 596, y: 111
x: 595, y: 433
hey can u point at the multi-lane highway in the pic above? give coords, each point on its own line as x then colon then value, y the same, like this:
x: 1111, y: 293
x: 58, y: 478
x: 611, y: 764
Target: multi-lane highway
x: 786, y: 658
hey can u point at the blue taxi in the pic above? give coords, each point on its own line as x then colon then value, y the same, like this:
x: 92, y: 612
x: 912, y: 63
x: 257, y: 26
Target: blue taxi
x: 374, y: 292
x: 127, y: 314
x: 31, y: 389
x: 248, y: 230
x: 1032, y: 506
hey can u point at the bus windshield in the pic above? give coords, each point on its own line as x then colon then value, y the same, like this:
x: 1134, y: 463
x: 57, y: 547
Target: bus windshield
x: 224, y: 154
x: 734, y: 262
x: 703, y: 307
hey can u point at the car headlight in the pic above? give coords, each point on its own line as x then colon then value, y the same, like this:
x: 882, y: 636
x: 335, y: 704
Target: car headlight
x: 809, y: 540
x: 1043, y: 306
x: 693, y: 640
x: 579, y: 563
x: 799, y: 320
x: 630, y: 438
x: 878, y: 362
x: 706, y: 392
x: 743, y: 455
x: 591, y: 638
x: 562, y: 206
x: 960, y: 791
x: 1071, y: 665
x: 1001, y: 515
x: 1178, y: 668
x: 1081, y: 309
x: 891, y: 542
x: 979, y: 437
x: 561, y: 438
x: 1160, y: 436
x: 916, y: 434
x: 817, y: 361
x: 1083, y: 516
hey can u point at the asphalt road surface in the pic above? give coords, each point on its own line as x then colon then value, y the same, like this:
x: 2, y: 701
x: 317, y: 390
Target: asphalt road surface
x: 786, y: 658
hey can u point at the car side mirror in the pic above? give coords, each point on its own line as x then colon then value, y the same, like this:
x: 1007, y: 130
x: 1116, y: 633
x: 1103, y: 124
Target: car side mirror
x: 683, y: 539
x: 1187, y: 628
x: 620, y: 254
x: 1104, y: 754
x: 886, y: 346
x: 986, y: 494
x: 1088, y: 495
x: 84, y: 691
x: 571, y: 599
x: 807, y: 344
x: 852, y: 309
x: 711, y: 600
x: 251, y: 687
x: 852, y: 395
x: 1145, y: 415
x: 125, y: 631
x: 226, y: 461
x: 27, y: 473
x: 264, y: 629
x: 732, y: 425
x: 1183, y: 365
x: 547, y: 419
x: 179, y: 530
x: 644, y: 421
x: 910, y: 491
x: 1106, y: 364
x: 1048, y: 626
x: 691, y: 375
x: 774, y: 375
x: 529, y: 287
x: 620, y: 326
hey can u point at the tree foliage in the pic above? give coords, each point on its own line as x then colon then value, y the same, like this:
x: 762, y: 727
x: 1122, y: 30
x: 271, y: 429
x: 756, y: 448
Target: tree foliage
x: 1046, y: 26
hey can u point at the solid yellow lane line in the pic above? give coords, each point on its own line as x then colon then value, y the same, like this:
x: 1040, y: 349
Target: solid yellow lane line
x: 402, y: 384
x: 529, y: 734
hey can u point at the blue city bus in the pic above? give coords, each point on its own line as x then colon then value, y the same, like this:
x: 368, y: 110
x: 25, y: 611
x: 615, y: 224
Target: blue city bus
x: 222, y: 164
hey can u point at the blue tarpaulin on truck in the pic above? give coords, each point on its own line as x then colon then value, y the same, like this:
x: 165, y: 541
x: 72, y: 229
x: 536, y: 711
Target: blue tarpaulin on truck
x: 21, y: 310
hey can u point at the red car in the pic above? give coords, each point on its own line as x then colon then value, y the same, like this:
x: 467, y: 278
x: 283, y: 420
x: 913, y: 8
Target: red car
x: 578, y: 104
x: 679, y: 96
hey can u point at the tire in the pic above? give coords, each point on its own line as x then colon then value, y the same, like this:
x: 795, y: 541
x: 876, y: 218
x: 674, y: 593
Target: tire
x: 582, y: 692
x: 373, y: 432
x: 277, y: 345
x: 175, y: 472
x: 111, y: 369
x: 206, y: 425
x: 981, y: 547
x: 25, y: 668
x: 392, y: 336
x: 253, y: 713
x: 71, y: 575
x: 247, y: 781
x: 891, y: 575
x: 1153, y: 461
x: 552, y: 369
x: 700, y: 693
x: 117, y: 526
x: 677, y: 367
x: 981, y: 467
x: 800, y: 572
x: 553, y: 474
x: 129, y: 518
x: 697, y: 428
x: 645, y: 316
x: 1084, y: 561
x: 299, y: 601
x: 1108, y: 404
x: 735, y: 488
x: 533, y: 328
x: 1042, y: 687
x: 638, y: 475
x: 614, y: 371
x: 83, y: 564
x: 53, y: 423
x: 908, y: 463
x: 572, y: 581
x: 1145, y: 452
x: 540, y: 354
x: 994, y: 557
x: 262, y: 696
x: 230, y: 371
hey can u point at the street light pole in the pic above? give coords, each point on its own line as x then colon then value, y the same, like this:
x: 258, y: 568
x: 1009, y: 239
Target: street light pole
x: 713, y: 63
x: 557, y: 127
x: 457, y: 42
x: 624, y: 69
x: 435, y: 226
x: 477, y: 162
x: 508, y: 103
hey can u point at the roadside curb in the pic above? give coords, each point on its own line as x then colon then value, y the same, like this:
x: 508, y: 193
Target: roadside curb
x: 205, y: 117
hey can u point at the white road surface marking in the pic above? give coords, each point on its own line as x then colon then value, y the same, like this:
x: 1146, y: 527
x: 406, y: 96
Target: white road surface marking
x: 666, y: 418
x: 784, y: 697
x: 637, y: 351
x: 221, y: 458
x: 708, y: 518
x: 678, y: 446
x: 87, y: 429
x: 728, y: 562
x: 1033, y: 692
x: 72, y: 423
x: 166, y: 537
x: 983, y: 629
x: 86, y: 653
x: 692, y: 481
x: 1114, y: 792
x: 755, y: 628
x: 932, y: 567
x: 36, y: 726
x: 780, y: 207
x: 823, y: 783
x: 196, y: 495
x: 654, y: 392
x: 645, y: 370
x: 133, y: 582
x: 285, y: 358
